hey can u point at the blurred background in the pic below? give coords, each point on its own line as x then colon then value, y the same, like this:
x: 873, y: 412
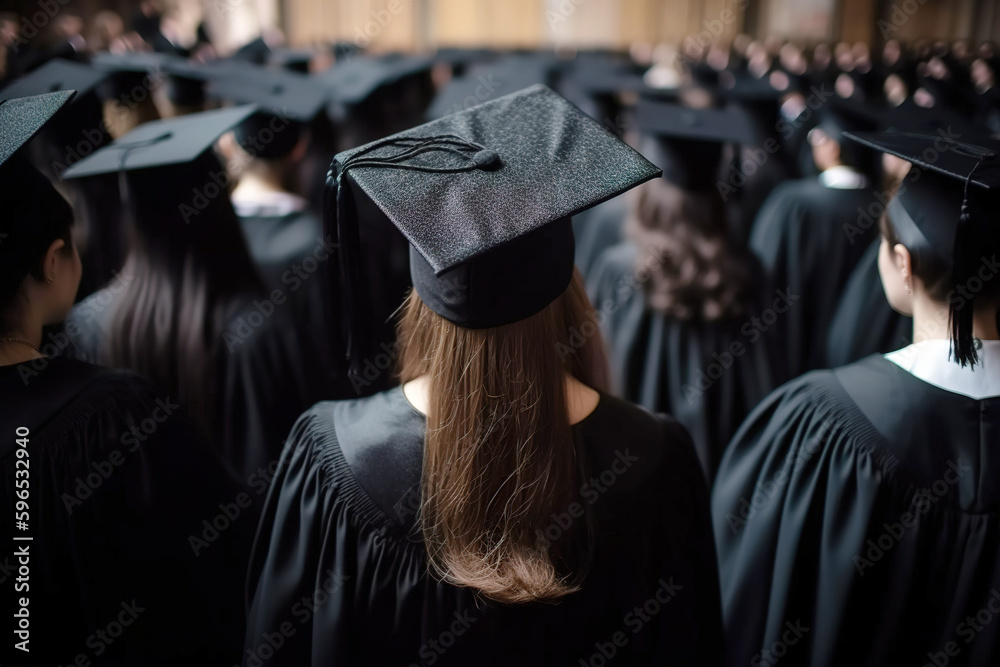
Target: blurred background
x: 420, y: 25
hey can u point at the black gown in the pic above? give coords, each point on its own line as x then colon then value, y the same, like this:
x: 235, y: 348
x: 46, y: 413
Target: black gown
x: 707, y: 375
x: 284, y: 248
x: 596, y: 230
x: 117, y: 485
x: 265, y: 373
x: 809, y: 240
x: 864, y: 323
x: 856, y: 513
x: 339, y: 577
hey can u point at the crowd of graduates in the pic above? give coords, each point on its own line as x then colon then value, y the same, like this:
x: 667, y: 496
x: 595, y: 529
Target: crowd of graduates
x: 199, y: 345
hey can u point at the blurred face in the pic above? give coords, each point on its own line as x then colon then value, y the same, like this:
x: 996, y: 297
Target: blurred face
x: 891, y: 52
x: 982, y: 75
x: 895, y: 89
x: 893, y: 269
x: 826, y: 152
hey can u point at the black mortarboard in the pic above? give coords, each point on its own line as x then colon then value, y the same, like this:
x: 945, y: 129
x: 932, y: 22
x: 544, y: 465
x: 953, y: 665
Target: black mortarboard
x: 53, y: 76
x: 484, y: 197
x: 184, y: 79
x: 838, y: 116
x: 352, y: 81
x: 911, y: 117
x: 945, y: 211
x: 461, y: 59
x: 293, y: 60
x: 22, y: 118
x: 687, y: 143
x: 286, y: 100
x: 132, y: 75
x: 758, y: 97
x: 278, y: 92
x: 161, y: 143
x: 490, y: 81
x: 255, y: 51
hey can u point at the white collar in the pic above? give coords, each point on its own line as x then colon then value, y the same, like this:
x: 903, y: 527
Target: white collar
x: 266, y: 203
x: 842, y: 177
x: 928, y: 360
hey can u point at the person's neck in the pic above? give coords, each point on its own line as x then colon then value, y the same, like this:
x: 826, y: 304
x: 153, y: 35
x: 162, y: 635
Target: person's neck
x: 254, y: 183
x: 15, y: 351
x: 930, y: 321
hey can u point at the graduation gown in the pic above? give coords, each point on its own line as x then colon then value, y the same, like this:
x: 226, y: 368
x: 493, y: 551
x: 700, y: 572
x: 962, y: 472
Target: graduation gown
x: 115, y: 483
x: 864, y: 323
x: 340, y: 573
x: 284, y: 247
x: 707, y: 375
x: 805, y: 237
x: 856, y: 513
x: 596, y: 230
x: 264, y: 376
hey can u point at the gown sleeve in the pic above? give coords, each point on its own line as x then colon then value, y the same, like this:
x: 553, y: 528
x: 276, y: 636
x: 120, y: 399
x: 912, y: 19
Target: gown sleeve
x: 120, y: 486
x: 299, y: 585
x: 791, y: 508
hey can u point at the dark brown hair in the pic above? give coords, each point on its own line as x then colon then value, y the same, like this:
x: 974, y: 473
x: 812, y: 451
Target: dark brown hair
x: 189, y: 277
x: 700, y: 274
x: 500, y: 458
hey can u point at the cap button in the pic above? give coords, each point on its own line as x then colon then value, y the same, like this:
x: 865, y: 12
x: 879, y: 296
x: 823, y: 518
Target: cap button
x: 487, y: 159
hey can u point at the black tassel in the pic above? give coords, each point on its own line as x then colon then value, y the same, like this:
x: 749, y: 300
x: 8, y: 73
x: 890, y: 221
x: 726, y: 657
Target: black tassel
x: 349, y: 300
x: 961, y: 315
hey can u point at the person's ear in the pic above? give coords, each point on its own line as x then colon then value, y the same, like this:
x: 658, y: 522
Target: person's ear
x: 51, y: 260
x: 904, y: 264
x: 227, y: 146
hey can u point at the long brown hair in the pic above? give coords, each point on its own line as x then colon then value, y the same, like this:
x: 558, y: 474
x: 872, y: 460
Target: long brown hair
x: 500, y: 458
x: 702, y: 275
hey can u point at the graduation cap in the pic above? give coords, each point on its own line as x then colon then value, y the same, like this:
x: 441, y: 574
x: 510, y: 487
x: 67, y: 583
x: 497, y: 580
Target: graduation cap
x: 353, y: 81
x: 161, y: 143
x: 484, y: 197
x: 255, y: 51
x: 55, y: 75
x: 293, y: 60
x: 145, y: 69
x: 489, y: 81
x: 687, y: 143
x: 945, y: 211
x: 278, y: 92
x: 28, y: 201
x: 285, y: 100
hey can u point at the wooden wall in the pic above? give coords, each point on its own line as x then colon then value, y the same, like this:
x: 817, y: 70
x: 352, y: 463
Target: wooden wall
x: 426, y: 24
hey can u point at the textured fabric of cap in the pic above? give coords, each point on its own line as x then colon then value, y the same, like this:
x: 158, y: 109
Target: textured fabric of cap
x: 22, y: 118
x: 476, y: 194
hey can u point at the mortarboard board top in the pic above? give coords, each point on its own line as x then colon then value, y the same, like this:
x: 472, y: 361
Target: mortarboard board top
x: 728, y: 124
x: 352, y: 81
x: 554, y: 162
x: 22, y: 118
x: 279, y: 92
x: 55, y: 75
x: 161, y: 143
x: 949, y: 157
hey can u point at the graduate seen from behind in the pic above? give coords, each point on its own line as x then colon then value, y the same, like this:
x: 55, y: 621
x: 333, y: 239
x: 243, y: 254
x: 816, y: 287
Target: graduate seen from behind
x: 498, y: 508
x: 190, y: 310
x: 100, y: 471
x: 856, y: 509
x: 681, y: 300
